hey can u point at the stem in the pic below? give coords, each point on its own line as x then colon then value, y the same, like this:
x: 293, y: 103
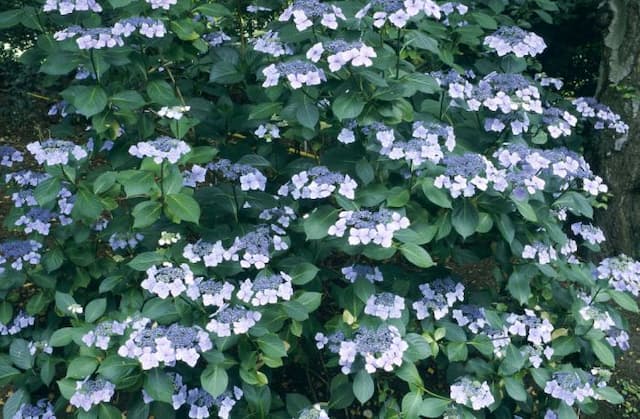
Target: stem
x: 398, y: 54
x: 235, y: 200
x: 162, y: 181
x: 93, y: 65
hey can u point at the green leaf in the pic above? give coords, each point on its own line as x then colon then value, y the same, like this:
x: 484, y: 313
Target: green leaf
x: 525, y: 209
x: 485, y: 21
x: 265, y: 110
x: 272, y: 346
x: 437, y: 196
x: 316, y: 226
x: 182, y: 207
x: 146, y: 213
x: 303, y: 273
x: 7, y: 373
x: 20, y: 354
x: 87, y: 205
x: 610, y: 394
x: 307, y: 112
x: 311, y: 300
x: 363, y: 386
x: 104, y: 182
x: 457, y: 351
x: 61, y: 337
x: 419, y: 39
x: 119, y: 370
x: 214, y: 379
x: 107, y: 411
x: 513, y: 361
x: 624, y: 300
x: 365, y: 172
x: 161, y: 93
x: 412, y: 405
x: 88, y: 100
x: 418, y: 349
x: 159, y: 385
x: 95, y: 309
x: 433, y: 408
x: 341, y: 392
x: 64, y: 302
x: 8, y: 19
x: 421, y: 82
x: 515, y: 389
x: 224, y: 72
x: 47, y: 191
x: 136, y: 182
x: 416, y: 255
x: 82, y: 367
x: 465, y: 218
x: 128, y: 100
x: 347, y: 106
x: 14, y: 402
x: 409, y: 373
x: 603, y: 351
x: 519, y: 286
x: 144, y: 261
x: 213, y: 10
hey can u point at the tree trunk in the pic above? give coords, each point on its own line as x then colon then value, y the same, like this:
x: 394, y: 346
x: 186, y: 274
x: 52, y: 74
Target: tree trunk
x: 617, y: 159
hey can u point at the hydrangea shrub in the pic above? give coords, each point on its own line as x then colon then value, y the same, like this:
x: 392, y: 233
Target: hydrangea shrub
x: 270, y: 210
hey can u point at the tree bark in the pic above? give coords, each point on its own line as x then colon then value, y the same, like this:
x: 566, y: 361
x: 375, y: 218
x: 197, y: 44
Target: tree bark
x: 617, y: 159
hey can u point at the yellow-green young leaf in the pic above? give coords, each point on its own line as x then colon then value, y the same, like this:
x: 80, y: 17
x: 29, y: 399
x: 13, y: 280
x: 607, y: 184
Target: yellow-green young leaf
x: 181, y: 207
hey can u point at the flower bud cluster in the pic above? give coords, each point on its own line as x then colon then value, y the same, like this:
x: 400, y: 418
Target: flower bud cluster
x: 299, y: 73
x: 173, y: 112
x: 100, y: 337
x: 588, y: 232
x: 161, y: 149
x: 472, y: 393
x: 424, y: 145
x: 438, y: 297
x: 233, y: 320
x: 43, y: 409
x: 385, y: 306
x: 216, y: 38
x: 570, y: 386
x: 601, y: 115
x: 65, y: 7
x: 168, y: 280
x: 122, y: 241
x: 212, y: 293
x: 558, y: 121
x: 111, y: 37
x: 467, y: 173
x: 282, y: 216
x: 18, y: 252
x: 269, y: 43
x: 512, y: 39
x: 380, y: 348
x: 367, y: 272
x: 369, y: 227
x: 51, y: 152
x: 161, y: 344
x: 20, y: 322
x: 266, y: 289
x: 313, y: 412
x: 9, y: 155
x: 317, y: 183
x: 304, y: 12
x: 398, y: 12
x: 91, y: 393
x: 542, y: 252
x: 342, y: 53
x: 251, y: 179
x: 621, y: 272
